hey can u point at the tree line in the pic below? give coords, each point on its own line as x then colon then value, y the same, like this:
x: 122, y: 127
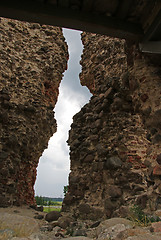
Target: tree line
x: 46, y: 201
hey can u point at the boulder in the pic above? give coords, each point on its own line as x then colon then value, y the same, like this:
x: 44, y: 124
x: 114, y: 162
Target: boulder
x: 21, y: 225
x: 112, y: 227
x: 64, y: 222
x: 52, y: 216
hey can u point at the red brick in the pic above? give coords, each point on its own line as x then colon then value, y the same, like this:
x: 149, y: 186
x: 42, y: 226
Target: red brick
x: 157, y: 170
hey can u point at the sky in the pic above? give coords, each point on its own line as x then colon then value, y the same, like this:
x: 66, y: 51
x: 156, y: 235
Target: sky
x: 54, y: 164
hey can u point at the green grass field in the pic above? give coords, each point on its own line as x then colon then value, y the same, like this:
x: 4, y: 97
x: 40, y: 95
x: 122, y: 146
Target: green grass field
x: 52, y: 208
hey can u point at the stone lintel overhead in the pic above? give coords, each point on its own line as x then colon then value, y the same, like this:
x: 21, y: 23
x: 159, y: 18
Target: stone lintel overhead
x: 52, y: 14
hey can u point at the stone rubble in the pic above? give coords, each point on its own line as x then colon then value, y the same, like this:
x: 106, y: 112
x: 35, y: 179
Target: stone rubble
x: 21, y: 227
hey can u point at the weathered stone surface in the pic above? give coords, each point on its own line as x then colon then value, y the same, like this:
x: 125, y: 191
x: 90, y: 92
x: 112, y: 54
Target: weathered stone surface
x: 115, y: 138
x: 32, y: 62
x: 79, y: 232
x: 114, y: 191
x: 156, y: 227
x: 18, y: 224
x: 52, y: 216
x: 64, y: 222
x: 78, y: 238
x: 6, y: 234
x: 115, y: 168
x: 157, y: 170
x: 84, y: 208
x: 159, y: 159
x: 113, y: 163
x: 112, y: 226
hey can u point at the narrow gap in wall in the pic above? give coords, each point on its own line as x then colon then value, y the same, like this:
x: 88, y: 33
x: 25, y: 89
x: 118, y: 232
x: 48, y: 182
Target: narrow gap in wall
x: 54, y: 165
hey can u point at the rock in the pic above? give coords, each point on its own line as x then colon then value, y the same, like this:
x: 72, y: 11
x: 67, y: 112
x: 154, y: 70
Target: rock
x: 109, y: 93
x: 144, y: 97
x: 157, y: 138
x: 39, y: 217
x: 122, y: 212
x: 64, y: 222
x: 20, y: 238
x: 35, y: 236
x: 68, y: 199
x: 114, y: 191
x: 136, y: 233
x: 113, y: 163
x: 94, y: 137
x: 84, y: 208
x: 108, y: 204
x: 112, y: 227
x: 56, y: 230
x: 4, y: 201
x: 89, y: 158
x: 96, y: 214
x: 21, y: 225
x: 142, y: 200
x: 3, y: 155
x: 98, y: 108
x: 158, y: 213
x: 52, y: 216
x: 157, y: 170
x: 159, y: 159
x: 146, y: 236
x: 156, y: 226
x: 112, y: 232
x: 46, y: 228
x: 73, y: 179
x: 96, y: 224
x: 59, y: 234
x: 6, y: 234
x: 78, y: 238
x: 40, y: 209
x: 109, y: 207
x: 98, y: 123
x: 80, y: 232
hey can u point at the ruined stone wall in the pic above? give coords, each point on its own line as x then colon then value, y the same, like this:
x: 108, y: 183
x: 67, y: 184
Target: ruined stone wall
x: 32, y: 60
x: 115, y: 139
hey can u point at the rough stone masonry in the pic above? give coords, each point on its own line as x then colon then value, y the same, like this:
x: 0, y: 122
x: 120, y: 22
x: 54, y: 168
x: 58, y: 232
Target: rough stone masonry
x: 32, y: 60
x: 114, y: 140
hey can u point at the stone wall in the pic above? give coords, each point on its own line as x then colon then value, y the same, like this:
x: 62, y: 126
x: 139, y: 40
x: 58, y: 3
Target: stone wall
x: 32, y: 60
x: 114, y: 140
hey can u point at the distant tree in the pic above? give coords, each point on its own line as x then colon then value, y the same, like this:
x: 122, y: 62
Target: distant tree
x: 65, y: 189
x: 39, y: 200
x: 49, y: 203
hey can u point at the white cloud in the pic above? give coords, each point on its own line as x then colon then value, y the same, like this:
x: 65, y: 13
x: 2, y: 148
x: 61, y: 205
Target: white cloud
x: 54, y: 165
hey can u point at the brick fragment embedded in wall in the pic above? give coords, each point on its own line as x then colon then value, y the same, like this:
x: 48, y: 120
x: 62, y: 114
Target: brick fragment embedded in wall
x: 32, y: 61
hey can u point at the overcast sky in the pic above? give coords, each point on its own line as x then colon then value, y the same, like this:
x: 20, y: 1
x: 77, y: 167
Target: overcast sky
x: 54, y: 165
